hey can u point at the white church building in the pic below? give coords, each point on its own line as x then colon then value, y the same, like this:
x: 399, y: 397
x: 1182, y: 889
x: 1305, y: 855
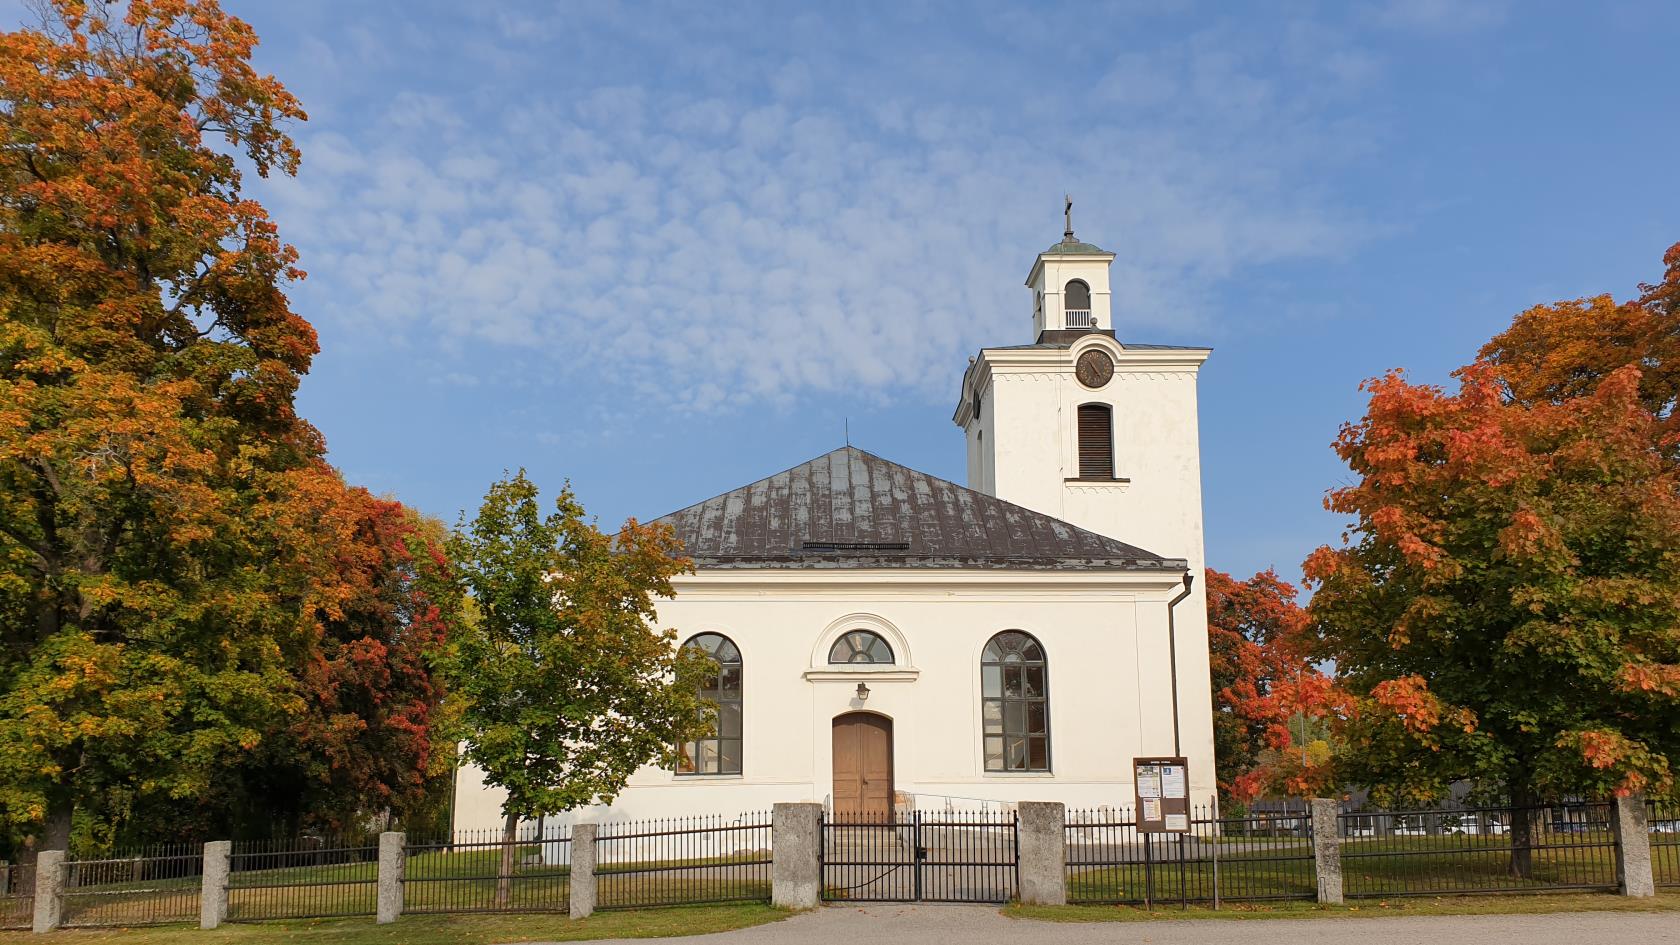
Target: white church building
x: 890, y: 640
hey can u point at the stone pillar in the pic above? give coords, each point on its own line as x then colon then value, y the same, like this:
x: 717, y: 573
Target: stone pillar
x: 49, y: 890
x: 582, y: 888
x: 1327, y: 850
x: 1633, y: 846
x: 5, y: 878
x: 392, y: 863
x: 795, y: 864
x: 213, y: 891
x: 1043, y: 850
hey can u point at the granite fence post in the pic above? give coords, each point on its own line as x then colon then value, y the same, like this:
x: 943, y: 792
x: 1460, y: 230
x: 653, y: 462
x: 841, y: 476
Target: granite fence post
x: 392, y: 864
x: 1633, y: 846
x: 49, y: 890
x: 582, y: 889
x: 213, y: 889
x: 5, y: 877
x: 1043, y: 852
x: 795, y: 865
x: 1327, y: 850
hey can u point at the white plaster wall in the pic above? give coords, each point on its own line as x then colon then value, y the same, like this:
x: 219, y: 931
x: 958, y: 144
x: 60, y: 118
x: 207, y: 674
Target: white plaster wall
x: 1110, y: 693
x: 1030, y: 421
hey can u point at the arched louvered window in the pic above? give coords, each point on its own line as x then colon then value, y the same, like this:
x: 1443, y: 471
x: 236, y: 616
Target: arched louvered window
x: 860, y: 646
x: 1096, y: 441
x: 719, y: 752
x: 1015, y: 703
x: 1076, y: 303
x: 1078, y: 295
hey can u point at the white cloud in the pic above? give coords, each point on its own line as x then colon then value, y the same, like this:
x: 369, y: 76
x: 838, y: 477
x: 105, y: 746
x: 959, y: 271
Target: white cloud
x: 716, y: 249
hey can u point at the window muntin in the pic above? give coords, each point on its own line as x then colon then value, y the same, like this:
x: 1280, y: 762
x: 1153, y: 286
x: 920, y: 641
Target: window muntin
x: 719, y: 752
x: 860, y: 646
x: 1096, y: 441
x: 1015, y: 703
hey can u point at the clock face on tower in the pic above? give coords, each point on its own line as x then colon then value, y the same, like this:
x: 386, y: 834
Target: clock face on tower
x: 1094, y: 368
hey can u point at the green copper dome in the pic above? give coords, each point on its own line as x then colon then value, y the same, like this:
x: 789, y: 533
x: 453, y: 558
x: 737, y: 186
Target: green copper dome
x: 1066, y: 247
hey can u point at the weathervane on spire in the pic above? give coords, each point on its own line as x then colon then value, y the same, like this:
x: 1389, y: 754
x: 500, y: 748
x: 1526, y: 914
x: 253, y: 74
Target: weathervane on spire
x: 1067, y: 215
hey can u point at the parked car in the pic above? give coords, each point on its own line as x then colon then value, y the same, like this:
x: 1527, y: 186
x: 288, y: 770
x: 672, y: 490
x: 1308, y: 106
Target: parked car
x: 1665, y: 826
x: 1476, y: 824
x: 1409, y: 827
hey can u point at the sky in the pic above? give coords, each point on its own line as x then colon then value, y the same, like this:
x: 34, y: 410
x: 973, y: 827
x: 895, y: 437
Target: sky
x: 663, y: 250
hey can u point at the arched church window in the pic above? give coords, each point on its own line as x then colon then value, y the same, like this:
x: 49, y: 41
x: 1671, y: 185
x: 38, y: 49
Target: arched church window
x: 719, y: 752
x: 860, y: 646
x: 1096, y: 441
x: 1076, y: 301
x: 1015, y: 703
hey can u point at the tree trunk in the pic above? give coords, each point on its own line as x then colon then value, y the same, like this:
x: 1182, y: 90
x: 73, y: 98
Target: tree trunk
x: 504, y: 876
x: 1523, y: 813
x: 54, y: 835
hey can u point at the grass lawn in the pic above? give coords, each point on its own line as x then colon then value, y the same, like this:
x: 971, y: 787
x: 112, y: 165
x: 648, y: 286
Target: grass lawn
x: 437, y: 881
x: 1370, y: 867
x: 434, y: 929
x: 1443, y: 905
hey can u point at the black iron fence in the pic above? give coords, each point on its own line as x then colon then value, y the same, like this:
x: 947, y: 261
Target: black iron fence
x: 920, y: 856
x: 303, y: 878
x: 17, y: 895
x: 1254, y: 858
x: 1663, y: 819
x: 1478, y: 850
x: 683, y: 861
x: 482, y: 871
x: 151, y: 885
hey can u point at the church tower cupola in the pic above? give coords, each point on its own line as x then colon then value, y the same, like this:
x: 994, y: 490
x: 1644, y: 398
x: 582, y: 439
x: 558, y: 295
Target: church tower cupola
x: 1070, y: 285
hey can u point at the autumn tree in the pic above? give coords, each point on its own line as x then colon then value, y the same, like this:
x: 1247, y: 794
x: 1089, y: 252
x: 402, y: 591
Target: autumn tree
x: 1553, y: 353
x: 1507, y: 603
x: 176, y: 594
x: 566, y: 685
x: 1271, y: 704
x: 366, y: 739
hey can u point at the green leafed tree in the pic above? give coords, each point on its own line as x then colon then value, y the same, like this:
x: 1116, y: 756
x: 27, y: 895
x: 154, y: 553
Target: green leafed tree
x: 567, y: 687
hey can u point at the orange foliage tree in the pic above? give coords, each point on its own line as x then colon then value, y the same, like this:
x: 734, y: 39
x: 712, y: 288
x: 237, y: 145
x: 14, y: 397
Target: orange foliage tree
x: 1273, y: 708
x: 183, y: 580
x: 1552, y: 353
x: 1507, y: 604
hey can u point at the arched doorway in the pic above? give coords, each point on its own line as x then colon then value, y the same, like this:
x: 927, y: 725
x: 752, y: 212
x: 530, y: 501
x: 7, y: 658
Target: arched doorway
x: 863, y: 767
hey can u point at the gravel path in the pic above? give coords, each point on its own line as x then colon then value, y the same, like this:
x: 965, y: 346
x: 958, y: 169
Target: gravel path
x: 982, y: 925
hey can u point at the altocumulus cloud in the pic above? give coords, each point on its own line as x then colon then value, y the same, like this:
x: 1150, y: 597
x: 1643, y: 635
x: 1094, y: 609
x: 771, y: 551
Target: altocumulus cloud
x: 750, y: 224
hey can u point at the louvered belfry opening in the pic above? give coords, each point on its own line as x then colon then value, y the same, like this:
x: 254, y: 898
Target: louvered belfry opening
x: 1096, y: 441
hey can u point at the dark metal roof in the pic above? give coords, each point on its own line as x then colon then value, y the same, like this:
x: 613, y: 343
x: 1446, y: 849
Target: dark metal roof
x: 1065, y: 337
x: 852, y: 509
x: 1072, y: 247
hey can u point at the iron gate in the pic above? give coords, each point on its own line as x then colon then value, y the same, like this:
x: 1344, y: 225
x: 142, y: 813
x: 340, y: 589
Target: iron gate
x: 920, y: 856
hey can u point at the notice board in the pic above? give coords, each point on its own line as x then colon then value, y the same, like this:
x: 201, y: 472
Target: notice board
x: 1162, y: 786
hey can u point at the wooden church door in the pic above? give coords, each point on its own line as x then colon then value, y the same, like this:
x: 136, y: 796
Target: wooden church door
x: 863, y: 772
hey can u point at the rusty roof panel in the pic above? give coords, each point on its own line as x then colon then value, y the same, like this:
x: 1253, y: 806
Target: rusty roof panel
x: 852, y: 509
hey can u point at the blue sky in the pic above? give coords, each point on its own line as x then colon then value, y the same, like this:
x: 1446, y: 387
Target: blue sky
x: 666, y: 249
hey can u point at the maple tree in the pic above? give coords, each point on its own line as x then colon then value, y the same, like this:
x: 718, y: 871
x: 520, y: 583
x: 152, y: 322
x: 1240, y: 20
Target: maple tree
x: 365, y: 740
x: 1507, y: 604
x: 1555, y: 352
x: 185, y: 584
x: 566, y: 686
x: 1271, y: 704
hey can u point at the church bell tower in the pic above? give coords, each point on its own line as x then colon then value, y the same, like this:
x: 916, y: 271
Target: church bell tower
x: 1070, y: 284
x: 1077, y: 424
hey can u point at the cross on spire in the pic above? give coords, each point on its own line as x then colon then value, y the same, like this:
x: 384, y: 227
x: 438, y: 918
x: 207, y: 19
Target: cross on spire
x: 1067, y: 216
